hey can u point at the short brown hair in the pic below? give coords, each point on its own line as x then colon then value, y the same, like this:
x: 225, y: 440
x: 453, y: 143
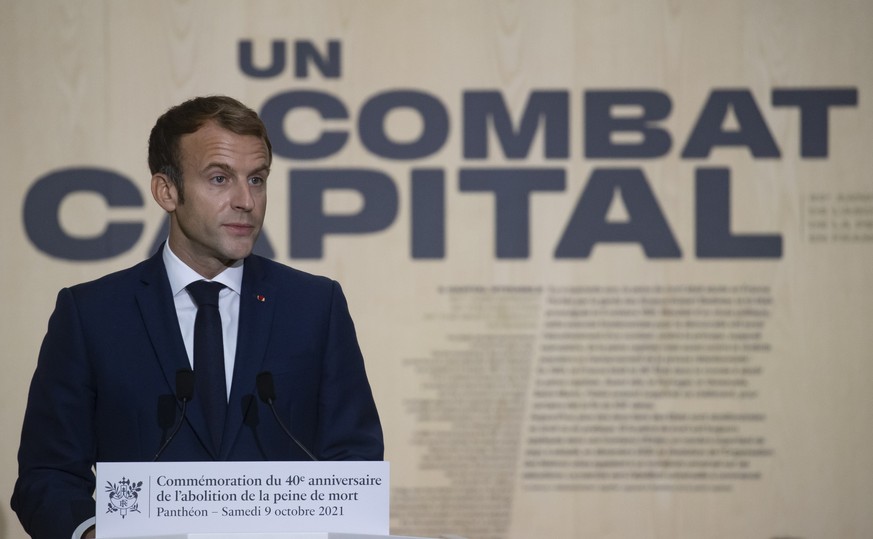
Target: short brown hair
x: 228, y: 113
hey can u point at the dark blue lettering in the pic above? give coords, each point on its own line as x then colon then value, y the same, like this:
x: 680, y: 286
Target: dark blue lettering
x: 309, y: 222
x: 709, y: 130
x: 42, y: 221
x: 549, y: 108
x: 275, y: 110
x: 589, y: 223
x: 512, y: 189
x: 601, y: 124
x: 428, y: 215
x: 435, y: 120
x: 814, y: 105
x: 306, y: 53
x: 713, y: 209
x: 247, y: 63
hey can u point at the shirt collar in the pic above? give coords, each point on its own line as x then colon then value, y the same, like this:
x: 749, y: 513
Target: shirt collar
x: 181, y: 275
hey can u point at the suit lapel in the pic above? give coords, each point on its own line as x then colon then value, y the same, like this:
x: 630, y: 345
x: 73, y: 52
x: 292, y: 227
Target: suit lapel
x: 256, y: 306
x: 159, y: 317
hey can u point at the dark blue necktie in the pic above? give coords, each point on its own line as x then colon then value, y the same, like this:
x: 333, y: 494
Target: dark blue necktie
x: 209, y: 379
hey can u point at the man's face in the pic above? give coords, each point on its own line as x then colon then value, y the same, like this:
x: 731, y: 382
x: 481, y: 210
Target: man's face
x: 224, y: 177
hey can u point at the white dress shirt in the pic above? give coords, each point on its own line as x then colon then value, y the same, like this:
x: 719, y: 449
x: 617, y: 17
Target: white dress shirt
x: 180, y: 276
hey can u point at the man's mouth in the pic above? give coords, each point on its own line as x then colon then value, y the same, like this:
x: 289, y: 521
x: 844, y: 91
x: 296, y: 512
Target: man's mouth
x: 239, y: 228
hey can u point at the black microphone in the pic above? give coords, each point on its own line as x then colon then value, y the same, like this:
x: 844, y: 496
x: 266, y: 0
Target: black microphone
x: 267, y: 392
x: 184, y: 393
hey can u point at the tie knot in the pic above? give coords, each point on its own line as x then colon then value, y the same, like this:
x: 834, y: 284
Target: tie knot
x: 205, y: 292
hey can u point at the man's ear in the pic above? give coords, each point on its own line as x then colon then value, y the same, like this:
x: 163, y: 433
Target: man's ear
x: 165, y: 192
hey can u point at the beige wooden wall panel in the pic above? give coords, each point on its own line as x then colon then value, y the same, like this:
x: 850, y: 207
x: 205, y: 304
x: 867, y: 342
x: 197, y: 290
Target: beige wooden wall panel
x: 82, y: 82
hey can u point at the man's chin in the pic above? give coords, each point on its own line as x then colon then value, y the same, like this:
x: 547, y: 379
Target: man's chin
x: 236, y: 253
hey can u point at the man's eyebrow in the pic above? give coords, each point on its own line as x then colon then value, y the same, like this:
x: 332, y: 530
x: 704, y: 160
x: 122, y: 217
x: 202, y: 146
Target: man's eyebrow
x: 222, y: 166
x: 263, y: 169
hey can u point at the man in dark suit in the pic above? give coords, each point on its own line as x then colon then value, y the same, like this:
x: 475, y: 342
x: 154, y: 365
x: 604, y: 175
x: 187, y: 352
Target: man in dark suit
x: 105, y: 382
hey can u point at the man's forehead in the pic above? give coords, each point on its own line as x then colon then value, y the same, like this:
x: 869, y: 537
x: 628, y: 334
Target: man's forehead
x: 215, y: 143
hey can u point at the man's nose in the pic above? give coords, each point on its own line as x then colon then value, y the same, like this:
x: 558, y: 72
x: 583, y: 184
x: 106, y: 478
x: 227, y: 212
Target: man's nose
x: 242, y: 197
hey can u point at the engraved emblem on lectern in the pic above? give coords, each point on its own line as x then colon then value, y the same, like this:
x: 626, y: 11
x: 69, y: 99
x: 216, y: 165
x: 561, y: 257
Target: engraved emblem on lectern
x: 123, y: 496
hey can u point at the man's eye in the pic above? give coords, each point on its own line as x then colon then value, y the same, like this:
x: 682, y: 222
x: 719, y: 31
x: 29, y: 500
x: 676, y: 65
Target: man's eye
x: 219, y: 179
x: 256, y: 180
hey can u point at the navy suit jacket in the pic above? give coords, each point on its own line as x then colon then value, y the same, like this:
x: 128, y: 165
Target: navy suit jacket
x: 104, y: 385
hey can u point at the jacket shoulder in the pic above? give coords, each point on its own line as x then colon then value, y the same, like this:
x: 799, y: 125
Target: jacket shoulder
x: 121, y: 279
x: 283, y: 275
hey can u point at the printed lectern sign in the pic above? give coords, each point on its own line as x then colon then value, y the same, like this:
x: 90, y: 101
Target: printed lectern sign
x: 141, y: 498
